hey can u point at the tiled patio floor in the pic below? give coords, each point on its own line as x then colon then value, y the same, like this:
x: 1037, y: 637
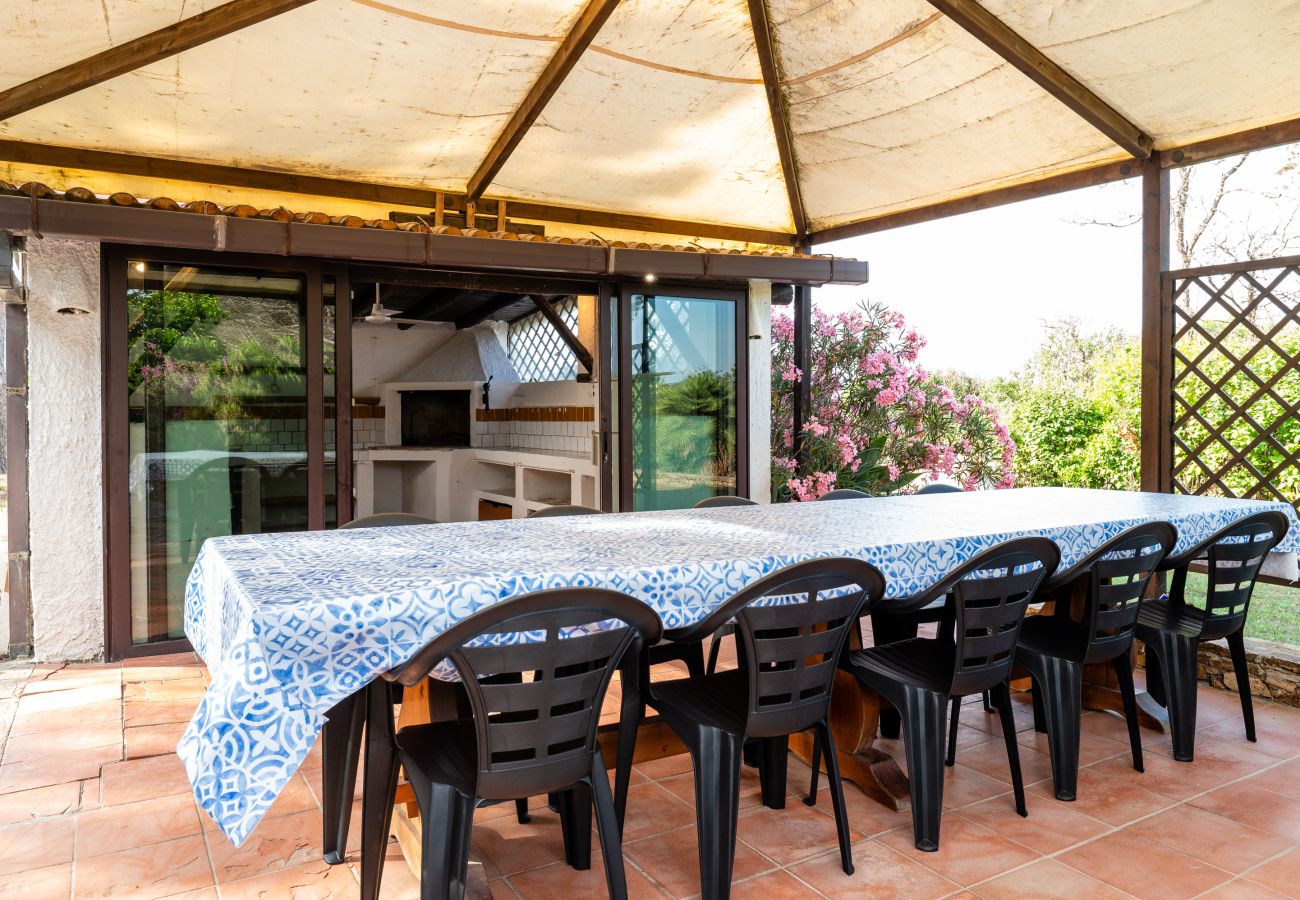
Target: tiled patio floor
x: 94, y: 803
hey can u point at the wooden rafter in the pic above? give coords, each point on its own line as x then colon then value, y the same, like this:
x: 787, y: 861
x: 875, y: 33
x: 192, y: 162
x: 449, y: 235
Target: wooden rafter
x: 142, y: 51
x: 566, y: 56
x: 561, y: 327
x: 998, y: 37
x: 765, y: 44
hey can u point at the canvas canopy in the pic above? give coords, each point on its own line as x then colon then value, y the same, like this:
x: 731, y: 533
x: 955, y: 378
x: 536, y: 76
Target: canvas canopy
x: 791, y: 116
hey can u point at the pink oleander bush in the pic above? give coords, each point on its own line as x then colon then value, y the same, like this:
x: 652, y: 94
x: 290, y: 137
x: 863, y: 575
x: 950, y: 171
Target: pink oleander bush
x: 878, y: 420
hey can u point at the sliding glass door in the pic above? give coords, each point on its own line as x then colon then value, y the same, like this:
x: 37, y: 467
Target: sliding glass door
x: 679, y: 380
x: 221, y: 383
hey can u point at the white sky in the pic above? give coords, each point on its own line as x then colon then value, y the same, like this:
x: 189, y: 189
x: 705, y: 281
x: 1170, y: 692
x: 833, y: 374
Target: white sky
x: 980, y: 286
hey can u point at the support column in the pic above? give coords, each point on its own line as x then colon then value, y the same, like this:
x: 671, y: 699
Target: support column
x: 1157, y: 331
x: 802, y: 361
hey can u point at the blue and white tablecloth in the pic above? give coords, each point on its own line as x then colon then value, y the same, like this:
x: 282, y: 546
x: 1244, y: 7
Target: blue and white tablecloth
x: 290, y: 624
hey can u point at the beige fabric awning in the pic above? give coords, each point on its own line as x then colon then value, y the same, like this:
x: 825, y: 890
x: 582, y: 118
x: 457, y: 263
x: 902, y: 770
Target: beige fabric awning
x: 663, y: 109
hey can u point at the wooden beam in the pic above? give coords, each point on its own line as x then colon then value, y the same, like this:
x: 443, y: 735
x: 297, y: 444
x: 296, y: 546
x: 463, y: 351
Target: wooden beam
x: 580, y: 36
x: 562, y: 329
x: 1230, y: 145
x: 490, y: 307
x: 765, y: 43
x: 1054, y: 184
x: 998, y: 37
x: 55, y: 156
x: 1157, y: 333
x: 142, y: 51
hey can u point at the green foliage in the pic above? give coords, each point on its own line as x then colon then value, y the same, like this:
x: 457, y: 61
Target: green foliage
x: 697, y: 421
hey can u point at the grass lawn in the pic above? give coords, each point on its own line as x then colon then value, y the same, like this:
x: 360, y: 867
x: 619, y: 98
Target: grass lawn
x: 1274, y: 610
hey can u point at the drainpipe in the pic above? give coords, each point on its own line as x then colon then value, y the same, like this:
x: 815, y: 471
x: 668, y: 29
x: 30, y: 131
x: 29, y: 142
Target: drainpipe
x: 13, y: 291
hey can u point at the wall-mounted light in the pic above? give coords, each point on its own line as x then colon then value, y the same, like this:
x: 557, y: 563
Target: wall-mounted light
x: 138, y: 266
x: 651, y: 277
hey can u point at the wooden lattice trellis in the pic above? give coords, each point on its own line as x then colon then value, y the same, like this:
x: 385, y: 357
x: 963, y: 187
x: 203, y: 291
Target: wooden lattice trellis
x: 1236, y: 379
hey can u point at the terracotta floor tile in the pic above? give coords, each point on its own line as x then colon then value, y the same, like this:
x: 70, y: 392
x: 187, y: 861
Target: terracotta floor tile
x: 160, y: 673
x: 143, y: 779
x: 152, y: 740
x: 991, y: 759
x: 968, y: 852
x: 751, y: 795
x: 1143, y: 868
x: 651, y: 809
x: 777, y: 885
x: 1175, y: 780
x: 513, y: 848
x: 1113, y: 727
x: 157, y: 870
x: 1211, y: 838
x: 1245, y: 803
x: 662, y: 768
x: 791, y: 834
x: 964, y: 785
x: 1102, y: 797
x: 34, y: 845
x: 561, y: 880
x: 158, y: 712
x: 92, y: 736
x: 276, y: 843
x: 1092, y: 747
x: 316, y: 880
x: 867, y: 816
x: 1279, y: 742
x: 1284, y: 778
x: 50, y: 881
x: 55, y: 719
x: 54, y: 800
x: 672, y: 860
x: 113, y: 828
x: 170, y: 690
x: 1050, y: 826
x: 78, y: 677
x: 1241, y: 889
x: 55, y: 769
x: 879, y: 872
x: 71, y: 700
x: 1281, y: 875
x: 1046, y: 879
x: 296, y: 797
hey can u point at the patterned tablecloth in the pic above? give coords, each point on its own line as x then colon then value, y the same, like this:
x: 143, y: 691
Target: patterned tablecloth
x: 289, y: 624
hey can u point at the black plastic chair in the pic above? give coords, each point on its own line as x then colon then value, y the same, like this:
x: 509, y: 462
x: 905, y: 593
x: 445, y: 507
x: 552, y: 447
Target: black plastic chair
x: 531, y: 732
x: 554, y: 512
x: 973, y: 652
x: 845, y: 494
x: 1055, y: 648
x: 788, y: 658
x: 1172, y: 629
x: 940, y: 488
x: 341, y: 736
x: 724, y: 500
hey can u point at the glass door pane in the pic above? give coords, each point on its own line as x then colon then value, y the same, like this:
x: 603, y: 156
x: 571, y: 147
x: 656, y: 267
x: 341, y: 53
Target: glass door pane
x: 683, y: 399
x: 218, y: 405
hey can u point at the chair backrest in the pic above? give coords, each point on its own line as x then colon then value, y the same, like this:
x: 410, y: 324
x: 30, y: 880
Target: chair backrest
x: 387, y: 520
x: 845, y: 494
x: 1235, y: 556
x: 791, y: 646
x: 940, y: 488
x: 551, y: 512
x: 724, y: 500
x: 1119, y: 573
x: 990, y: 594
x: 536, y: 669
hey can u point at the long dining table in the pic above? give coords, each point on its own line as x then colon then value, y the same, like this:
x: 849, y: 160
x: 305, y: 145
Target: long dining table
x: 291, y: 624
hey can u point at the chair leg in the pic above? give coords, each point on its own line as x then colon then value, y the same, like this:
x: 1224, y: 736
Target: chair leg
x: 1155, y: 674
x: 889, y: 629
x: 811, y: 799
x: 1040, y: 717
x: 1237, y: 646
x: 1123, y: 667
x: 340, y: 751
x: 1178, y: 662
x: 631, y: 714
x: 988, y: 702
x: 716, y: 758
x: 823, y: 732
x: 1002, y: 699
x: 773, y: 753
x: 1060, y: 683
x: 380, y: 786
x: 715, y: 646
x: 923, y: 720
x: 446, y: 821
x: 521, y: 811
x: 951, y: 759
x: 610, y: 829
x: 575, y: 825
x: 693, y: 653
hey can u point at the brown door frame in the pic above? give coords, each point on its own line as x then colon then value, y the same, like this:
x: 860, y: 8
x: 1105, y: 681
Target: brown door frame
x: 115, y: 477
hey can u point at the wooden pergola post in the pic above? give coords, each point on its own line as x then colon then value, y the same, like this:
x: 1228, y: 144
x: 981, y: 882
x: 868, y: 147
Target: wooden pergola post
x: 802, y: 401
x: 1157, y: 331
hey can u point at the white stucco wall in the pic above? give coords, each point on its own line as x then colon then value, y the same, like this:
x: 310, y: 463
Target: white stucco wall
x: 760, y: 391
x: 65, y: 450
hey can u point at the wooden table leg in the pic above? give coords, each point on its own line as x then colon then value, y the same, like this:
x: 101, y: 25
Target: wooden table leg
x: 855, y: 718
x: 1101, y: 691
